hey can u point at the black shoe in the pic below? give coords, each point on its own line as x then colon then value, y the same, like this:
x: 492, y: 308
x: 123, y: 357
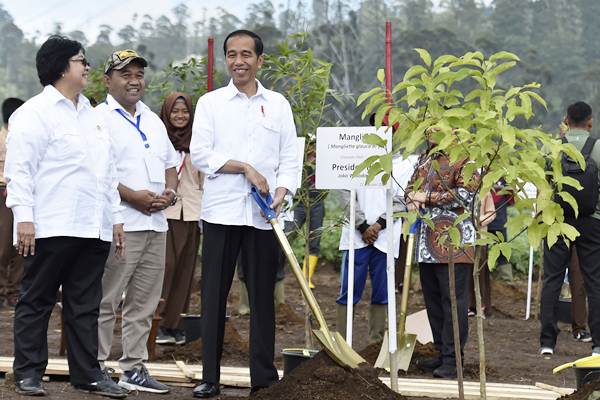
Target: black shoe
x: 164, y: 336
x: 140, y: 379
x: 30, y: 387
x: 428, y: 364
x: 106, y: 387
x: 206, y: 390
x: 179, y: 336
x: 582, y: 336
x: 445, y: 371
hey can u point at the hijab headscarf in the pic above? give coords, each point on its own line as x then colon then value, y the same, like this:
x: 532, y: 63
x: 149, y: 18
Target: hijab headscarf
x: 180, y: 137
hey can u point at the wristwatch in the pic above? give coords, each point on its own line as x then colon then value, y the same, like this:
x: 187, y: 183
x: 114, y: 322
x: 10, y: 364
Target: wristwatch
x: 175, y: 196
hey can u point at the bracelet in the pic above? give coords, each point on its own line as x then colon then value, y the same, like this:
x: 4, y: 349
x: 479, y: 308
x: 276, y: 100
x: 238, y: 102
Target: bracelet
x: 175, y: 195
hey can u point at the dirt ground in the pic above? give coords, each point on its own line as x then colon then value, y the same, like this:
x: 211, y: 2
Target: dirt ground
x: 511, y: 341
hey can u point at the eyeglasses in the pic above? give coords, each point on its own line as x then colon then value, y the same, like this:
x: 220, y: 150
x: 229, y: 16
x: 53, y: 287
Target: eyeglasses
x: 83, y: 61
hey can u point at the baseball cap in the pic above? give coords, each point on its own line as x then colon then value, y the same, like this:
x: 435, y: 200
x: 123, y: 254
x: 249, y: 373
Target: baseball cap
x: 121, y: 58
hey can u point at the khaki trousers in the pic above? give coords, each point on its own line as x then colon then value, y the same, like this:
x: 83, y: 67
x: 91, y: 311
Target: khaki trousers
x: 140, y: 276
x: 183, y: 240
x: 11, y: 263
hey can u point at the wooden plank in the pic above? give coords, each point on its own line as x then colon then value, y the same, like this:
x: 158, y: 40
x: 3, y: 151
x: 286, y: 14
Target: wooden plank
x: 559, y: 390
x: 187, y: 371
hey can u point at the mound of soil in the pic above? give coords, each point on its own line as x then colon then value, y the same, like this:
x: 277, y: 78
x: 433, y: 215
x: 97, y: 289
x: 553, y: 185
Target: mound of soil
x: 285, y: 314
x: 589, y: 391
x: 322, y: 379
x: 235, y: 348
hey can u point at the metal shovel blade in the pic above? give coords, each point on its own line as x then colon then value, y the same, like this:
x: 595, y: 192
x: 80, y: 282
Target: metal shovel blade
x: 403, y: 355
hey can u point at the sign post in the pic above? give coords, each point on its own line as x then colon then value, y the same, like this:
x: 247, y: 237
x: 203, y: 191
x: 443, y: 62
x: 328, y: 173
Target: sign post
x: 339, y: 151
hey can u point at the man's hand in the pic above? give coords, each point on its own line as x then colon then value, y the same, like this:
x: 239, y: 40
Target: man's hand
x: 280, y: 193
x: 119, y: 240
x: 163, y: 201
x: 255, y: 178
x: 371, y: 234
x: 142, y: 200
x: 25, y: 238
x: 416, y: 200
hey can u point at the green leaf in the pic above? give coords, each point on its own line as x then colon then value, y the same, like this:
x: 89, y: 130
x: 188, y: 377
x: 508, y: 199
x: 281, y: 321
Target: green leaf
x: 425, y: 56
x: 570, y: 200
x: 413, y: 95
x: 373, y: 172
x: 386, y: 162
x: 457, y: 113
x: 374, y: 139
x: 366, y: 95
x: 569, y: 231
x: 415, y: 70
x: 553, y: 234
x: 537, y: 98
x: 381, y: 75
x: 454, y: 234
x: 493, y: 254
x: 364, y: 165
x: 504, y: 55
x: 500, y: 69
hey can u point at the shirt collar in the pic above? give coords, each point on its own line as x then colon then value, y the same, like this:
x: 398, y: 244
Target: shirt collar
x: 232, y: 91
x: 113, y: 104
x: 55, y: 96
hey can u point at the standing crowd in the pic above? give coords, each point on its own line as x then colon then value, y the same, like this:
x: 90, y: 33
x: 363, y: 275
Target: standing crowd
x: 106, y: 206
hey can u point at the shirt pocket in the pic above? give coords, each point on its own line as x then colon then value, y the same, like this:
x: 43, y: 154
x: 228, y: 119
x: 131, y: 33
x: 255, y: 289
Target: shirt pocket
x: 67, y: 143
x: 270, y: 136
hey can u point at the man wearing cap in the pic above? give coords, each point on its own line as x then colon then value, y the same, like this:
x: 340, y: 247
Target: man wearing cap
x: 146, y: 168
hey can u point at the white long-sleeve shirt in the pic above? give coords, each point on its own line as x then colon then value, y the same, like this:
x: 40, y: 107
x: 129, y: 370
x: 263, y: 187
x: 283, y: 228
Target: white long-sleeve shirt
x: 60, y: 168
x: 372, y: 201
x: 259, y: 131
x: 137, y: 159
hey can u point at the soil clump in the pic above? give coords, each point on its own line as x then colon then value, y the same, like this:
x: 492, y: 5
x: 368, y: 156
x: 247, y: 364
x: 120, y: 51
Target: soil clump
x: 589, y: 391
x: 322, y: 379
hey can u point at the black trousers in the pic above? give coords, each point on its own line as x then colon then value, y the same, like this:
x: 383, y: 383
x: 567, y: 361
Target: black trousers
x: 77, y: 264
x: 259, y: 250
x: 556, y: 260
x: 436, y: 292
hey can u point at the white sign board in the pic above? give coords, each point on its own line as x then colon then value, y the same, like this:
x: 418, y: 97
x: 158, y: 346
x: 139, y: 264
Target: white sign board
x: 340, y: 150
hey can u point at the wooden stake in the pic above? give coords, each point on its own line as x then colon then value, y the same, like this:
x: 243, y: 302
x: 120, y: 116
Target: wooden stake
x: 455, y: 329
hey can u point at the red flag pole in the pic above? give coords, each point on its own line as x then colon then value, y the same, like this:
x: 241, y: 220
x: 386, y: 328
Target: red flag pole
x: 210, y: 63
x: 388, y: 61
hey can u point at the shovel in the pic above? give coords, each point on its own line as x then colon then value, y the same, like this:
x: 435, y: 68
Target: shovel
x: 333, y: 343
x: 586, y: 362
x: 406, y: 341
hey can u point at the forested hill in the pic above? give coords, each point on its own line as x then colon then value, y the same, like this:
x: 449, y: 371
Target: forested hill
x: 557, y: 41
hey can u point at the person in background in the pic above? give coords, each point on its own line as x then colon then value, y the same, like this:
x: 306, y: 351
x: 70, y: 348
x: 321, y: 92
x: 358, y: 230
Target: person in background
x: 556, y: 258
x: 502, y: 201
x: 146, y: 164
x: 446, y: 194
x: 11, y: 263
x: 371, y: 246
x: 62, y: 189
x: 183, y: 237
x: 578, y: 301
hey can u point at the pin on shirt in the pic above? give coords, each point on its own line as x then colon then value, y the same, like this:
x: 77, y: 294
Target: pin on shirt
x: 262, y: 110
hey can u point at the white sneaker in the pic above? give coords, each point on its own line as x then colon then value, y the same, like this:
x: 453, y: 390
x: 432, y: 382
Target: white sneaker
x: 546, y: 351
x: 596, y: 351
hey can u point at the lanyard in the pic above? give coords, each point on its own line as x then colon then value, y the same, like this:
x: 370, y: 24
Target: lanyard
x: 136, y: 125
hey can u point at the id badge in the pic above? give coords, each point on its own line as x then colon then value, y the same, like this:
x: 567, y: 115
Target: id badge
x: 155, y: 168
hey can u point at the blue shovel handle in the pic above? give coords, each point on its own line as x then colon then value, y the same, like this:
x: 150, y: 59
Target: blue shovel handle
x: 414, y: 227
x: 264, y: 203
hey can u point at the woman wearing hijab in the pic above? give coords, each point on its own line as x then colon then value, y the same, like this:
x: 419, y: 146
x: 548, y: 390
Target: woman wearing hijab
x: 183, y: 237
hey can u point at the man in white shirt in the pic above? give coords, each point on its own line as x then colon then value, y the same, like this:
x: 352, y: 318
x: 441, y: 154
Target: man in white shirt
x: 146, y: 168
x: 62, y: 189
x: 243, y: 136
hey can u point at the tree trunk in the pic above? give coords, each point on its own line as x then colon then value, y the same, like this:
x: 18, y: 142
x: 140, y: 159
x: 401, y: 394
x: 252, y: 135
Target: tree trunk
x: 456, y: 331
x: 480, y: 339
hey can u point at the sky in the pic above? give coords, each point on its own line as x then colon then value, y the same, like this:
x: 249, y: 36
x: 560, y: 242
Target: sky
x: 87, y: 15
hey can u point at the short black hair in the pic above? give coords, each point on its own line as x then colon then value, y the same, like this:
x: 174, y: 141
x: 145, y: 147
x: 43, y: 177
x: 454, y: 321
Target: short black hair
x: 579, y: 112
x: 52, y: 58
x: 9, y: 106
x: 258, y: 43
